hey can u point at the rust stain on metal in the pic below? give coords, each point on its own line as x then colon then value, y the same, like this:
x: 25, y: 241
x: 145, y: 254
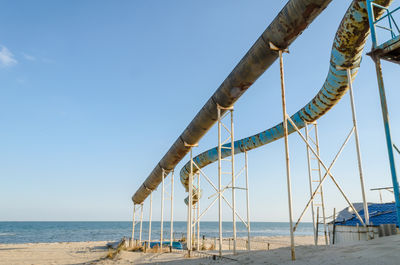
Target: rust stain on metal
x: 346, y: 52
x: 310, y: 11
x: 253, y: 64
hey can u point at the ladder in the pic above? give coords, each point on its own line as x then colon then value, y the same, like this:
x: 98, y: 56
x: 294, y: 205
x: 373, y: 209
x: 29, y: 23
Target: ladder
x: 314, y: 177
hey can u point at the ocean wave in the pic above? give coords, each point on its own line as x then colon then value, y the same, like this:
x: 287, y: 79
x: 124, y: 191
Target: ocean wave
x: 7, y: 234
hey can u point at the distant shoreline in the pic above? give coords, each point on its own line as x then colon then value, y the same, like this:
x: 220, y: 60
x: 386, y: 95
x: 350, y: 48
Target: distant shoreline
x: 47, y: 232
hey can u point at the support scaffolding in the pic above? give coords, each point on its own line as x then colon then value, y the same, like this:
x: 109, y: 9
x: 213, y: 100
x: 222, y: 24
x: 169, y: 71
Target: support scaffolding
x: 165, y: 195
x: 318, y: 202
x: 318, y: 189
x: 193, y: 227
x: 354, y: 130
x: 189, y: 232
x: 195, y: 214
x: 136, y: 207
x: 214, y: 200
x: 222, y: 145
x: 316, y: 154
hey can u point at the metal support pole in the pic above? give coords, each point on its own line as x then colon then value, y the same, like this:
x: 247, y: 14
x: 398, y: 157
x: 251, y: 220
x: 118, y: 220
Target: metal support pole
x: 316, y: 226
x: 285, y: 130
x: 189, y: 231
x: 247, y: 199
x: 396, y: 148
x: 320, y: 190
x: 190, y: 205
x: 310, y: 184
x: 233, y: 184
x: 389, y: 142
x: 133, y: 222
x: 151, y: 209
x: 162, y: 209
x: 353, y: 110
x: 172, y: 209
x: 193, y: 217
x: 141, y: 224
x: 371, y: 19
x: 198, y: 212
x: 219, y: 183
x: 194, y: 231
x: 194, y: 227
x: 334, y: 226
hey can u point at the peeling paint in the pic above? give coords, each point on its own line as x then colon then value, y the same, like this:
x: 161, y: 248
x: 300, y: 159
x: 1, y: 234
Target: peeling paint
x: 284, y: 29
x: 347, y: 49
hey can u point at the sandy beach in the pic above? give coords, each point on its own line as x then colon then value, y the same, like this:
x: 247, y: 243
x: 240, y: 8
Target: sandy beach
x: 381, y: 251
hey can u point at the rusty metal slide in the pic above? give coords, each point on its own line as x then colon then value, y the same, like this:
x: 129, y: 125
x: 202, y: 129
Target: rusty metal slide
x: 291, y: 21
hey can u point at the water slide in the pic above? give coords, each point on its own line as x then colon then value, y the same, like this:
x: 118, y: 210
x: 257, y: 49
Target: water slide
x: 291, y: 21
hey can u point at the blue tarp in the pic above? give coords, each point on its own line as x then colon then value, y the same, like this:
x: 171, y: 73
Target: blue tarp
x: 175, y: 244
x: 379, y: 213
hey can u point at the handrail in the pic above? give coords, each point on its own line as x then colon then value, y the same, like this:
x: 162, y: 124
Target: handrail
x: 388, y: 15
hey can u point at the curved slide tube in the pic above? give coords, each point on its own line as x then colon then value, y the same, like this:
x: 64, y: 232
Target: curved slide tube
x: 291, y: 21
x: 346, y: 53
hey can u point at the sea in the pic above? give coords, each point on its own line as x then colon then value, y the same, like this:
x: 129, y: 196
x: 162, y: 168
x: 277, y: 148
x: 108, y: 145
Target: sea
x: 35, y: 232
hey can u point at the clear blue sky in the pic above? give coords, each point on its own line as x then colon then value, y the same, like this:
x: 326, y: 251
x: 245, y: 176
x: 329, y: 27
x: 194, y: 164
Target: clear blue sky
x: 93, y: 93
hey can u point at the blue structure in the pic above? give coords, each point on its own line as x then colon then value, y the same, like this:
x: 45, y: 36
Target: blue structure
x: 175, y: 244
x: 391, y: 53
x: 379, y: 213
